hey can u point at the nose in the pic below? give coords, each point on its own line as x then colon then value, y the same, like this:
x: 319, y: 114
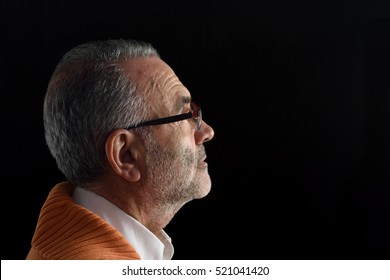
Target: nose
x: 204, y: 134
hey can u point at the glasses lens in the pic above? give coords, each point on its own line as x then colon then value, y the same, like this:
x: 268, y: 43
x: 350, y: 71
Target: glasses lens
x: 199, y: 118
x: 197, y: 115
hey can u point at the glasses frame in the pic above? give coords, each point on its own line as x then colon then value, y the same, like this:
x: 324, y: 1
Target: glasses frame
x: 195, y: 114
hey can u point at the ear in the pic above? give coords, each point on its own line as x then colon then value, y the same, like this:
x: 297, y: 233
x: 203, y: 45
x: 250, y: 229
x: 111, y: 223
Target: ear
x: 123, y: 151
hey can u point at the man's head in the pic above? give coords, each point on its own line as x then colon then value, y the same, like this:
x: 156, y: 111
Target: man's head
x: 101, y: 88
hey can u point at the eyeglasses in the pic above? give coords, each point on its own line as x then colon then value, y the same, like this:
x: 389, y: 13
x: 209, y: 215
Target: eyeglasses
x: 195, y: 114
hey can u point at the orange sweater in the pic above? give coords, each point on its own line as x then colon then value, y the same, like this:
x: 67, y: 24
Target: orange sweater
x: 66, y: 230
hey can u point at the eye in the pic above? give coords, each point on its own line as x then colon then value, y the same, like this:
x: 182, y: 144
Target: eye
x: 195, y: 110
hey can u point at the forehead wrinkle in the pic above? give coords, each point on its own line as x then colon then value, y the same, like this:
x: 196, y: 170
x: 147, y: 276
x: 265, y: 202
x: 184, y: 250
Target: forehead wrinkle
x: 171, y: 86
x: 151, y: 89
x: 170, y: 81
x: 159, y: 84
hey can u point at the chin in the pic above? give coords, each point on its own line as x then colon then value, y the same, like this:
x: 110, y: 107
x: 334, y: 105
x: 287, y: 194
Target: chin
x: 201, y: 185
x: 204, y: 190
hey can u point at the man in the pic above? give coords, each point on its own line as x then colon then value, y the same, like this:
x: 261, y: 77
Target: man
x: 129, y: 140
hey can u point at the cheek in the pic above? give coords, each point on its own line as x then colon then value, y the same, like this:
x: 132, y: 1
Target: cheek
x: 176, y: 138
x: 167, y: 135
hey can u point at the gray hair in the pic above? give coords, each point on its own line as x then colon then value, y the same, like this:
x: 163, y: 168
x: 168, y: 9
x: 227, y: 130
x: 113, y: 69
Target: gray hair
x: 88, y: 97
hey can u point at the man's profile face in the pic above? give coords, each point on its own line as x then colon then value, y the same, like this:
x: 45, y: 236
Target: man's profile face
x: 175, y: 166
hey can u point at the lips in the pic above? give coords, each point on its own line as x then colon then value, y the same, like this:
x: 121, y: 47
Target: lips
x: 202, y: 163
x: 202, y: 158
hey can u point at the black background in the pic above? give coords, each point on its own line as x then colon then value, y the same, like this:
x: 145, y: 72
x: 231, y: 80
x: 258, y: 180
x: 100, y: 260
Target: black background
x: 298, y: 93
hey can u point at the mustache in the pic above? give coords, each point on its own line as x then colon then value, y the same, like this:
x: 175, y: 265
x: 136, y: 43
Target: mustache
x: 201, y: 153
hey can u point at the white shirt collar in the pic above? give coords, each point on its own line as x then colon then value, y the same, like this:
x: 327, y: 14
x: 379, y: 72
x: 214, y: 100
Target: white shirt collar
x: 147, y: 245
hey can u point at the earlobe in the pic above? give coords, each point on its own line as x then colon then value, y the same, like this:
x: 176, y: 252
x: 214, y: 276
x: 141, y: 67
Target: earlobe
x: 123, y: 154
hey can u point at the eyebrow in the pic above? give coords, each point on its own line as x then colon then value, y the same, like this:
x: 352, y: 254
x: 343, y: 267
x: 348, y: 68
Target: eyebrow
x: 184, y: 100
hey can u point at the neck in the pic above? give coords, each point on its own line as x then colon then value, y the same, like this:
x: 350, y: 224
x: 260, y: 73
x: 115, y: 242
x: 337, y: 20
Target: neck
x: 151, y: 212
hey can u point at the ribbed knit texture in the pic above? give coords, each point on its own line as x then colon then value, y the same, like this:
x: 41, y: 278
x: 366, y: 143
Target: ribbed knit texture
x: 69, y: 231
